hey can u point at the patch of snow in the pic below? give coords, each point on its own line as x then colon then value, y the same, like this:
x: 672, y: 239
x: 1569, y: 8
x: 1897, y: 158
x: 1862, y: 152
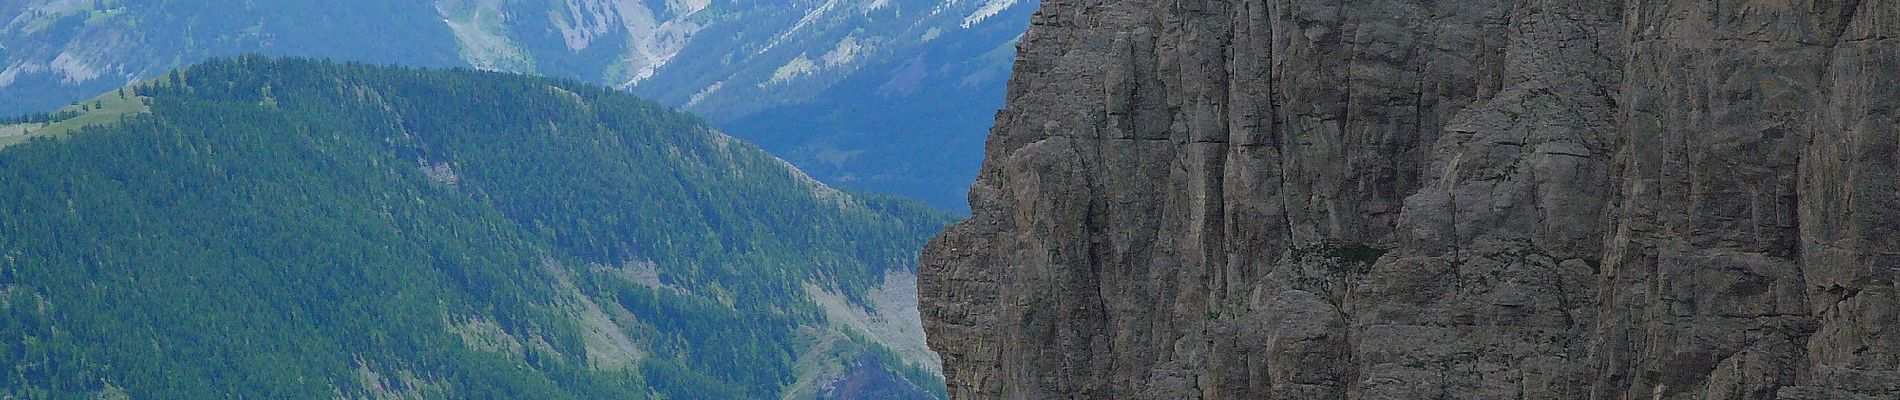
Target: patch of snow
x: 809, y: 18
x: 791, y: 70
x: 73, y: 68
x: 701, y: 95
x: 988, y: 10
x: 848, y: 50
x: 588, y: 20
x: 654, y: 37
x: 657, y: 50
x: 13, y: 72
x: 687, y: 7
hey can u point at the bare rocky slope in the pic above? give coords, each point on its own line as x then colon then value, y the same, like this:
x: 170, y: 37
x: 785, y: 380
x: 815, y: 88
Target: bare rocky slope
x: 1460, y: 199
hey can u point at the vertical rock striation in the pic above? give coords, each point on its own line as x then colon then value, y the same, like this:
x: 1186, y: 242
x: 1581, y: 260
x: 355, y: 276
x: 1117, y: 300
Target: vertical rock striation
x: 1471, y: 199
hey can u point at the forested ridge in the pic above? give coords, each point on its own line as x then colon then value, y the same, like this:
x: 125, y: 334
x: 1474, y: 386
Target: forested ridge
x: 838, y: 88
x: 289, y: 228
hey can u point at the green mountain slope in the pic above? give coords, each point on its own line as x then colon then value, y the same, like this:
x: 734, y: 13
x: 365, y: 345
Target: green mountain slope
x: 889, y: 96
x: 292, y: 228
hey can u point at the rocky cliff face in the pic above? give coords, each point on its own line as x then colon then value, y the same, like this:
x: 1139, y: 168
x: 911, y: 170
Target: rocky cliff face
x: 1466, y: 199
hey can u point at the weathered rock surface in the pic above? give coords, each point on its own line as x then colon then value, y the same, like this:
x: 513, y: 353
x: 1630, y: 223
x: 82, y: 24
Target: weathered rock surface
x: 1469, y: 199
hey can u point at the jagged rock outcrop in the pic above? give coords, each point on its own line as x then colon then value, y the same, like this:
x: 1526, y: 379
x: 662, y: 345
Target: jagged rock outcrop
x: 1434, y: 199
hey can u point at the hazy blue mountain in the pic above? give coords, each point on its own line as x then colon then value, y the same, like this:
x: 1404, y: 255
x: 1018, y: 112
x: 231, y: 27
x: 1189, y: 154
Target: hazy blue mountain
x: 59, y: 51
x: 272, y: 228
x: 892, y: 96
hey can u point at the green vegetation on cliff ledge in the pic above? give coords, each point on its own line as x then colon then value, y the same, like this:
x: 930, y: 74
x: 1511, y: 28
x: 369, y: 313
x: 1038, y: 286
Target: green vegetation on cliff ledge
x: 294, y: 229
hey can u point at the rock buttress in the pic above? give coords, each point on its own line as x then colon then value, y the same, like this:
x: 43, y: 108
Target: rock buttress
x: 1441, y: 199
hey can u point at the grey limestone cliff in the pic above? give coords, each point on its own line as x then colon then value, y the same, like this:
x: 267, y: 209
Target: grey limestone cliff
x: 1464, y: 199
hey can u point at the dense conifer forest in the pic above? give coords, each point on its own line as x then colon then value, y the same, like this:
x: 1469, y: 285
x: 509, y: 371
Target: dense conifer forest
x: 290, y: 228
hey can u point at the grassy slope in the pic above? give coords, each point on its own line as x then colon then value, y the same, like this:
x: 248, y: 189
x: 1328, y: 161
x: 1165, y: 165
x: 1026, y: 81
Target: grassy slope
x: 101, y: 110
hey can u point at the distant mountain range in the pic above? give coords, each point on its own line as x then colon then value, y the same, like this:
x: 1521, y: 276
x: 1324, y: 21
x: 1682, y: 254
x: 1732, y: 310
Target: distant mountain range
x: 891, y: 96
x: 268, y: 228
